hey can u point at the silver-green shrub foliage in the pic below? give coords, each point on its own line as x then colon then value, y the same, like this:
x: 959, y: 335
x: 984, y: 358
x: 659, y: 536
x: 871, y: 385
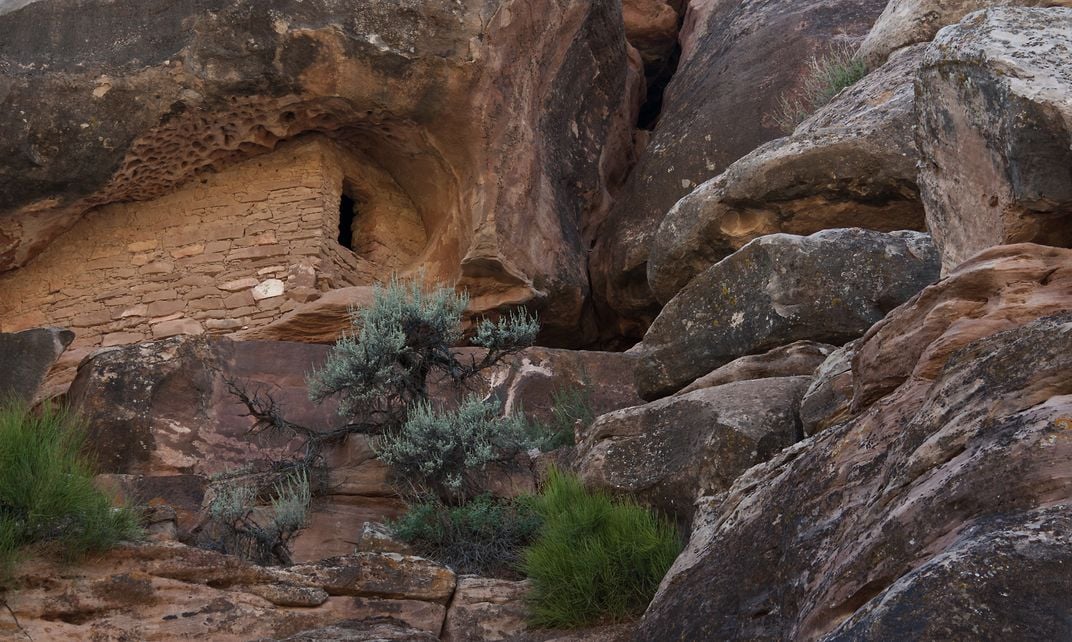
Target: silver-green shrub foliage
x: 382, y: 370
x: 443, y: 450
x: 404, y: 335
x: 233, y: 526
x: 381, y: 375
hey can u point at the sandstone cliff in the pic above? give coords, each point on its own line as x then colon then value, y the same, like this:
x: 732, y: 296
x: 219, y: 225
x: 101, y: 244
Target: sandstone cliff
x: 848, y: 379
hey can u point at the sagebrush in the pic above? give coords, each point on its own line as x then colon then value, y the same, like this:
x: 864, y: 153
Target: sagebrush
x: 48, y: 501
x: 235, y: 525
x: 401, y: 350
x: 825, y: 76
x: 445, y: 451
x: 597, y: 559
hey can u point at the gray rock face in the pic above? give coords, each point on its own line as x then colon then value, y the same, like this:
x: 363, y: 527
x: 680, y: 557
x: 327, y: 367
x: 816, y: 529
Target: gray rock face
x: 852, y: 164
x: 829, y: 397
x: 941, y: 512
x: 995, y: 132
x: 25, y: 358
x: 799, y: 358
x: 830, y: 287
x: 739, y: 58
x: 670, y: 452
x: 906, y: 22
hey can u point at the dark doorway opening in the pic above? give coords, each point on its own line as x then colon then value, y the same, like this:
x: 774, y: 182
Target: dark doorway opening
x: 347, y: 212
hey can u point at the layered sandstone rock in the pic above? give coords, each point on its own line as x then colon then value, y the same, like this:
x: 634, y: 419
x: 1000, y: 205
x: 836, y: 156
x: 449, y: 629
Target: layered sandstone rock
x: 25, y: 359
x: 498, y: 167
x: 672, y: 451
x: 851, y: 164
x: 381, y: 629
x: 996, y: 290
x: 738, y: 60
x: 170, y: 591
x: 829, y: 287
x: 324, y: 320
x: 486, y: 609
x: 799, y: 358
x: 948, y: 494
x: 995, y: 131
x: 906, y: 22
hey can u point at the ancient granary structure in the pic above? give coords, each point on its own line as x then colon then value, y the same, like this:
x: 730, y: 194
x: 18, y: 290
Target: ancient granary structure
x: 234, y: 249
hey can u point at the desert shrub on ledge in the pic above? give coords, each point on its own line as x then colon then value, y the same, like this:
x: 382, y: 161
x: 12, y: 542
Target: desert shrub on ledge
x: 597, y: 559
x: 443, y: 451
x: 485, y: 536
x: 48, y: 501
x: 382, y: 375
x: 235, y: 527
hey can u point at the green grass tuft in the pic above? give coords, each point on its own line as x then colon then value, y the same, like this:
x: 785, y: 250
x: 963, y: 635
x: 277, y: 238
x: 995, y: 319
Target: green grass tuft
x: 48, y: 501
x: 825, y: 76
x: 597, y: 559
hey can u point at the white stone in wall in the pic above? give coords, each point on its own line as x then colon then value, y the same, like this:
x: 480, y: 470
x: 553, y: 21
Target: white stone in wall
x: 268, y: 289
x: 239, y: 284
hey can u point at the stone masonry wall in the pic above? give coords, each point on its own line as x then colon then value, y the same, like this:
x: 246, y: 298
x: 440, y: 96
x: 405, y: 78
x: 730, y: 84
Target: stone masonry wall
x: 229, y: 251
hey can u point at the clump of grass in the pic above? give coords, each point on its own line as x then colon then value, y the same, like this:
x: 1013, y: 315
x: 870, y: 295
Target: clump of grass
x: 597, y: 559
x: 48, y: 502
x: 825, y: 76
x: 484, y: 537
x: 569, y: 405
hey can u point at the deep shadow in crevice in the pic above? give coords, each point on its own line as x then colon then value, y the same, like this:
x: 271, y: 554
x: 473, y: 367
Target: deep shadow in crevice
x: 347, y: 213
x: 657, y: 80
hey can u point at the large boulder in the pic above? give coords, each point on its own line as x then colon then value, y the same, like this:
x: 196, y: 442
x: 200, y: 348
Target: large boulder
x: 853, y: 163
x: 25, y: 359
x: 738, y: 59
x: 907, y: 22
x: 672, y: 451
x: 830, y: 287
x: 799, y: 358
x: 503, y: 123
x: 380, y: 629
x: 383, y: 575
x: 943, y: 511
x: 998, y: 289
x: 995, y: 131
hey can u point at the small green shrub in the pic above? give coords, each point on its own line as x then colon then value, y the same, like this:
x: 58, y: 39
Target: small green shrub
x: 48, y: 501
x: 235, y: 527
x: 825, y: 76
x: 596, y: 559
x: 484, y: 537
x: 444, y: 451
